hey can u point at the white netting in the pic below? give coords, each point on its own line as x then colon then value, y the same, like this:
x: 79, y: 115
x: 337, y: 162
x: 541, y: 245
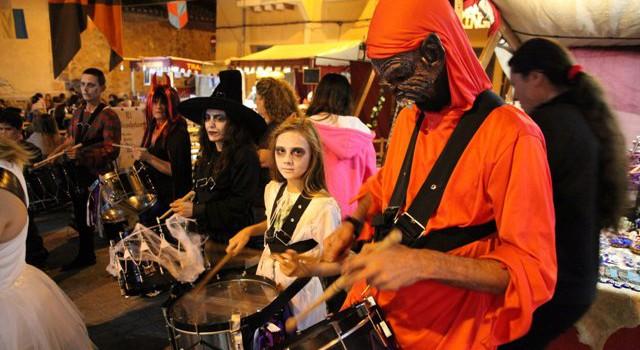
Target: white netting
x: 184, y: 261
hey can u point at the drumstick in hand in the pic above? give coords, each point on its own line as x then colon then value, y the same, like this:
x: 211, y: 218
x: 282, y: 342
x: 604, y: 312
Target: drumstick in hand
x: 128, y: 146
x: 341, y: 283
x: 187, y: 197
x: 212, y: 273
x: 53, y: 157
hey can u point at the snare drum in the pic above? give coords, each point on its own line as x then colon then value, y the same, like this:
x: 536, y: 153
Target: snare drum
x: 46, y: 188
x: 131, y: 186
x: 361, y: 326
x: 223, y: 317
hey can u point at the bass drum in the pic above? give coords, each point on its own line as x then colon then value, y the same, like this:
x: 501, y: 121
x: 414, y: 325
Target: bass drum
x: 46, y: 187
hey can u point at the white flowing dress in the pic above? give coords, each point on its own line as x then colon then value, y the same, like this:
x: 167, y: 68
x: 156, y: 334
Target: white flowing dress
x: 318, y: 221
x: 34, y: 312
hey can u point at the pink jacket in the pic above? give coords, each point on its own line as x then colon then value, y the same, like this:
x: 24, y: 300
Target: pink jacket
x: 349, y: 159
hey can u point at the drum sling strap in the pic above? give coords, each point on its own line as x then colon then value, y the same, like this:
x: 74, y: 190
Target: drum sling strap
x: 263, y: 316
x: 428, y: 198
x: 278, y: 240
x: 83, y: 128
x: 10, y: 182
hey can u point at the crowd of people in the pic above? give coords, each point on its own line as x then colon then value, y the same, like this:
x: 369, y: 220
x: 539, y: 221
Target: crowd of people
x: 499, y: 209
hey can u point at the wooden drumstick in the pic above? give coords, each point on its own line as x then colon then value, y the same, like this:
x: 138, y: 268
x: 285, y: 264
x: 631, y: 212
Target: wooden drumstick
x: 212, y: 273
x: 54, y: 157
x: 128, y: 146
x: 187, y: 197
x: 341, y: 283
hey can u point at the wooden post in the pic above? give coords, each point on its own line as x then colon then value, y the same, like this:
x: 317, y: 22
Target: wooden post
x: 365, y: 92
x: 489, y: 48
x: 497, y: 77
x: 508, y: 34
x: 459, y: 8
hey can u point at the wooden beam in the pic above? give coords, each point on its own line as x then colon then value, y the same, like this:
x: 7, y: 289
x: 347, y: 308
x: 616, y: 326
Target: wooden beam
x: 497, y: 76
x: 459, y: 8
x: 508, y: 35
x: 365, y: 92
x: 489, y: 48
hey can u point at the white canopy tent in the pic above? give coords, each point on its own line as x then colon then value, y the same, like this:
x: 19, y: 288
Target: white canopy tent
x: 575, y: 22
x: 603, y: 35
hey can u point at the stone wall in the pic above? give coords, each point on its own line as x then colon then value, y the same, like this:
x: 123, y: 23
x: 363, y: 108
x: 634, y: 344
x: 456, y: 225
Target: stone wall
x: 26, y: 65
x: 144, y: 36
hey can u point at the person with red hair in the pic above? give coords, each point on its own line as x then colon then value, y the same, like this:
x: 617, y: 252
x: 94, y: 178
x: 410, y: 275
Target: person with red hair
x: 167, y: 148
x: 470, y: 274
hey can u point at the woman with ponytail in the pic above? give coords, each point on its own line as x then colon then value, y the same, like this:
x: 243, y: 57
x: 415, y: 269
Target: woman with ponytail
x: 586, y: 154
x: 167, y: 147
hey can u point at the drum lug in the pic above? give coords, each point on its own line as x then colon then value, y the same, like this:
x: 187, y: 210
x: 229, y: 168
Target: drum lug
x: 234, y: 326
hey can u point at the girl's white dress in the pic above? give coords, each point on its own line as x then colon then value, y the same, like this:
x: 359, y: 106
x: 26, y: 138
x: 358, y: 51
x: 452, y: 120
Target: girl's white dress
x: 318, y: 221
x: 34, y: 312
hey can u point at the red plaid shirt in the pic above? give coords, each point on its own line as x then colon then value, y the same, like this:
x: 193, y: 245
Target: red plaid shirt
x: 97, y: 157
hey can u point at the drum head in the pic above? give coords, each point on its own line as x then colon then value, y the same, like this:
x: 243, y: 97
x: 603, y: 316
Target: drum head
x: 213, y: 308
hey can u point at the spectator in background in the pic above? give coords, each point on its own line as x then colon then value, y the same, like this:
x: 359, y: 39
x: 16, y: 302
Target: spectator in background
x: 347, y: 144
x: 275, y: 101
x: 586, y: 154
x: 48, y: 102
x: 113, y: 100
x: 37, y: 106
x: 59, y: 112
x: 45, y: 134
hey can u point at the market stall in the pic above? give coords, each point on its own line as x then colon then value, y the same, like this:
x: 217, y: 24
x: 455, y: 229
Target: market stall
x: 186, y: 75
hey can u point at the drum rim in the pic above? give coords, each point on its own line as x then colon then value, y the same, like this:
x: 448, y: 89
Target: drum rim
x: 325, y: 325
x: 219, y: 327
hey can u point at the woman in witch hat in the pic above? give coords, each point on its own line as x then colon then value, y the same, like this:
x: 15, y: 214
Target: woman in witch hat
x: 227, y: 171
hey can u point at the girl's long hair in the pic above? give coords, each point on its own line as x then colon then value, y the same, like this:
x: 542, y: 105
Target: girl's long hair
x: 12, y: 152
x: 235, y: 137
x: 555, y: 62
x: 314, y: 180
x: 169, y: 97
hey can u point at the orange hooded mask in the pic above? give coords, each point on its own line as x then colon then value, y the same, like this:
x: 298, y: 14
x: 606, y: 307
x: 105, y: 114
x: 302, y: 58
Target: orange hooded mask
x: 398, y: 27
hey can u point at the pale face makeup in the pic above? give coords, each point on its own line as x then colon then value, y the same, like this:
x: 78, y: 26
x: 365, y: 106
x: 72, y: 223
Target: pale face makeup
x: 293, y: 155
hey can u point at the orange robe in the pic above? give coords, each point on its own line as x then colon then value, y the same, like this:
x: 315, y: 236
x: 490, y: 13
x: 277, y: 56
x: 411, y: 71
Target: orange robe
x: 503, y: 175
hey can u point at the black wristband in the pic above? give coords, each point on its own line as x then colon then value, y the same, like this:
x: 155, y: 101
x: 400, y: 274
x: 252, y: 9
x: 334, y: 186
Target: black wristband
x: 357, y: 225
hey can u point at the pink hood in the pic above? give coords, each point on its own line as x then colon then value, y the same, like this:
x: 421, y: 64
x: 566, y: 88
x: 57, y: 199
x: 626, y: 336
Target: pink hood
x: 349, y: 159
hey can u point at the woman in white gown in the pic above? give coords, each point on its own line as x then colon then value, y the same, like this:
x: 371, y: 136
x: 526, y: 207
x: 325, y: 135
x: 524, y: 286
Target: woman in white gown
x: 34, y: 312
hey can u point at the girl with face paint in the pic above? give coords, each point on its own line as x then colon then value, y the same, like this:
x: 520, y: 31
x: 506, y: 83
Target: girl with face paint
x: 300, y: 214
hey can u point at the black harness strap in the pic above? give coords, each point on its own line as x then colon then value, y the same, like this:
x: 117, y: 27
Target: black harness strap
x: 428, y: 198
x: 278, y: 240
x: 10, y: 182
x: 82, y: 127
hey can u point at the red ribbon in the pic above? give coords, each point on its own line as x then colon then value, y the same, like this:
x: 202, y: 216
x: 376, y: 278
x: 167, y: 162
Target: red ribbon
x: 573, y: 71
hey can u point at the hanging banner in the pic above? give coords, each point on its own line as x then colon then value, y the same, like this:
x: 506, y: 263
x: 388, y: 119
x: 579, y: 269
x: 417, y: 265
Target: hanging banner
x: 178, y: 16
x: 68, y: 18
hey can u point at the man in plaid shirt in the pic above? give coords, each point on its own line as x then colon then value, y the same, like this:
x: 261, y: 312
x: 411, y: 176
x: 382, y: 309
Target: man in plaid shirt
x: 97, y: 127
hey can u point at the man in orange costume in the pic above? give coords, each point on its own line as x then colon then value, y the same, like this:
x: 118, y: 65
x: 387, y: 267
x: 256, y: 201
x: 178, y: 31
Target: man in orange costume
x: 482, y: 294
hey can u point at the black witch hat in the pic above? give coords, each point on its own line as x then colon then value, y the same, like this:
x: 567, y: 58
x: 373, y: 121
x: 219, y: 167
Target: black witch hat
x: 227, y: 96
